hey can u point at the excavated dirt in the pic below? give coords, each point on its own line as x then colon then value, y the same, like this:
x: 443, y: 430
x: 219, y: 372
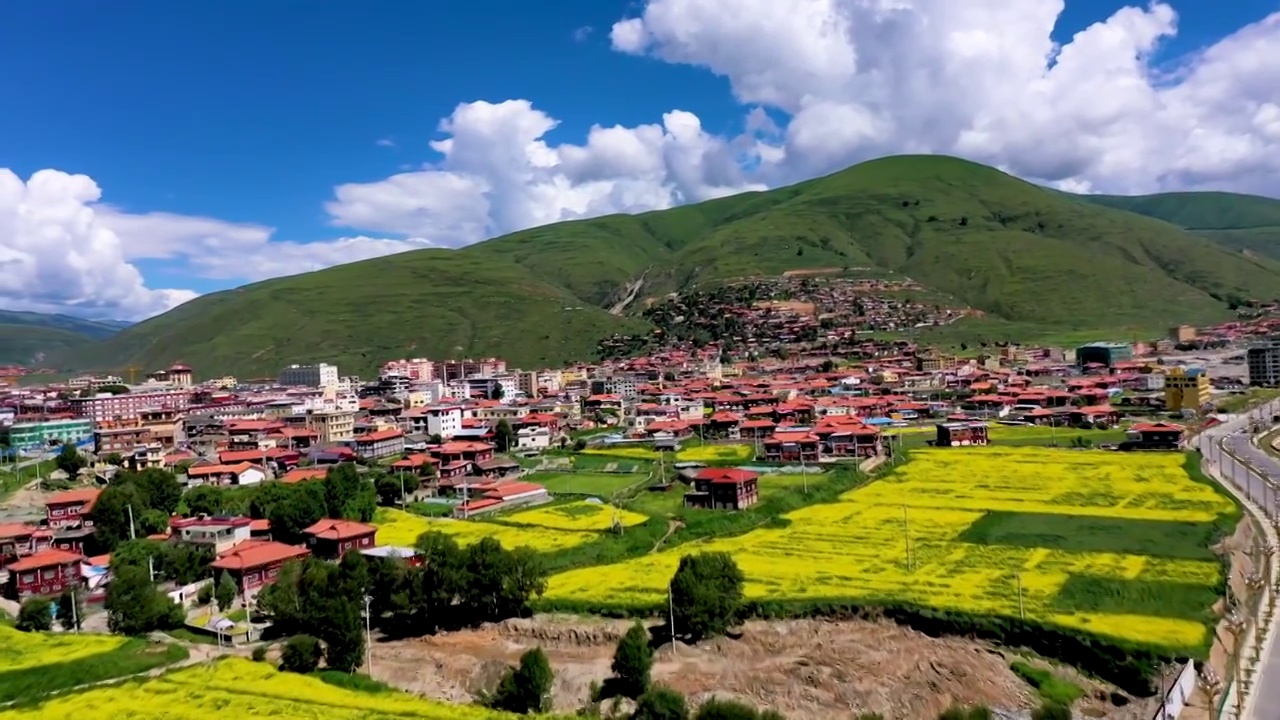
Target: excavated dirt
x: 806, y: 669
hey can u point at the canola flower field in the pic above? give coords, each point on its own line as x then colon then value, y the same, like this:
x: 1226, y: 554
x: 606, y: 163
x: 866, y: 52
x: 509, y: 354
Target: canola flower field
x: 716, y: 453
x: 576, y: 516
x: 1115, y: 544
x: 397, y: 527
x: 235, y: 687
x: 21, y: 650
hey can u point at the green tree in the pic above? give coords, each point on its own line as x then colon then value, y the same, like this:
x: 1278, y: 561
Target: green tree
x: 225, y: 594
x: 441, y: 579
x: 526, y: 688
x: 152, y: 522
x: 135, y: 607
x: 706, y: 595
x: 204, y: 595
x: 340, y: 626
x: 114, y: 459
x: 304, y: 505
x: 503, y: 436
x: 209, y: 500
x: 341, y: 489
x: 632, y: 662
x: 35, y: 615
x: 391, y: 488
x: 70, y: 610
x: 660, y: 703
x: 69, y: 460
x: 301, y: 654
x: 160, y: 487
x: 111, y: 512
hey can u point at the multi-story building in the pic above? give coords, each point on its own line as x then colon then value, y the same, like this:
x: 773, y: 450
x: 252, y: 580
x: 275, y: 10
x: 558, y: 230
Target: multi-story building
x: 380, y: 443
x: 220, y: 533
x: 254, y: 564
x: 40, y: 434
x: 1182, y: 334
x: 130, y: 405
x: 621, y: 385
x: 332, y: 426
x: 120, y: 440
x: 321, y: 375
x: 178, y: 375
x: 462, y: 369
x: 93, y: 382
x: 70, y: 508
x: 1186, y: 389
x: 442, y: 420
x: 418, y: 369
x: 1264, y: 365
x: 48, y: 572
x: 1103, y: 353
x: 165, y: 425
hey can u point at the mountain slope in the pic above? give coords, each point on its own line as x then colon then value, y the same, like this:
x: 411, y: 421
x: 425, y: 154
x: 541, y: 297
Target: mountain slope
x: 1239, y: 222
x: 1021, y: 253
x: 29, y: 338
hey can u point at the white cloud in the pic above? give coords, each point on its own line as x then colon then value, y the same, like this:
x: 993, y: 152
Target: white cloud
x: 385, y: 142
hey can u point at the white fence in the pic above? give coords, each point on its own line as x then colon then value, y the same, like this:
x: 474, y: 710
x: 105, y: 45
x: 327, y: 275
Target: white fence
x: 1178, y: 695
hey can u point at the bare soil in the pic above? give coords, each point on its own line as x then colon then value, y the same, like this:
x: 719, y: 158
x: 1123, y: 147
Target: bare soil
x: 812, y: 271
x: 806, y: 669
x: 795, y: 306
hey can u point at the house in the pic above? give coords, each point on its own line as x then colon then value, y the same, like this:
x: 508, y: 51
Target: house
x: 416, y: 463
x: 497, y: 468
x: 244, y: 473
x: 408, y: 555
x: 255, y: 563
x: 724, y: 489
x: 380, y: 443
x: 18, y: 540
x: 48, y: 572
x: 222, y: 533
x: 331, y: 539
x: 1094, y: 414
x: 1153, y: 436
x: 535, y: 437
x: 71, y: 508
x: 297, y: 475
x: 792, y: 446
x: 961, y: 433
x: 462, y: 451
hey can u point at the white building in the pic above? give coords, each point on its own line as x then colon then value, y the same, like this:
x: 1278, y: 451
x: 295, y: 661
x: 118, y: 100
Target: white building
x: 322, y: 375
x: 533, y: 438
x: 443, y: 420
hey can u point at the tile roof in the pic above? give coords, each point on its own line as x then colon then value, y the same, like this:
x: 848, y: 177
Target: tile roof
x: 44, y: 559
x: 254, y: 554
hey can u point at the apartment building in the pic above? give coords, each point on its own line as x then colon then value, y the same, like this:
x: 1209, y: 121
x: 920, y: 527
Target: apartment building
x: 39, y: 434
x: 416, y: 369
x: 332, y: 426
x: 321, y: 375
x: 1264, y: 364
x: 1186, y: 388
x: 130, y: 405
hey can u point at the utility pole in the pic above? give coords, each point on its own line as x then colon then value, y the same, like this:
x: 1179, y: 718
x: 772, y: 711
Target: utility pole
x: 151, y: 568
x: 1022, y: 612
x: 75, y: 619
x: 132, y: 534
x: 368, y: 636
x: 906, y: 537
x: 671, y: 614
x: 403, y: 504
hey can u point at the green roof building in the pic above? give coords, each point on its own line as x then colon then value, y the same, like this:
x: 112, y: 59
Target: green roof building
x: 1103, y: 353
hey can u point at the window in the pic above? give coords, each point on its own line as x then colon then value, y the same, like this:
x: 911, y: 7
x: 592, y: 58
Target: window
x: 48, y: 574
x: 28, y: 578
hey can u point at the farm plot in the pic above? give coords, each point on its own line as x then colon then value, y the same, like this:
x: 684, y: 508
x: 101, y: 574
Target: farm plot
x: 396, y: 527
x: 576, y: 516
x: 717, y: 454
x: 600, y: 484
x: 1112, y: 543
x: 634, y: 452
x: 239, y: 688
x: 20, y: 650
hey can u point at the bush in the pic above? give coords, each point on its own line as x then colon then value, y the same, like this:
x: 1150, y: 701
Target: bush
x: 527, y: 688
x: 35, y: 615
x: 632, y: 661
x: 301, y: 654
x: 706, y: 595
x: 259, y: 653
x: 870, y: 716
x: 660, y: 703
x: 1052, y: 688
x: 1052, y: 711
x: 204, y: 595
x: 717, y: 709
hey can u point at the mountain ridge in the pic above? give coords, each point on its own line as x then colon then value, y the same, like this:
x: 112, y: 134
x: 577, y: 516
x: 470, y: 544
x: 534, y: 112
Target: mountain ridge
x: 31, y: 337
x: 1016, y: 251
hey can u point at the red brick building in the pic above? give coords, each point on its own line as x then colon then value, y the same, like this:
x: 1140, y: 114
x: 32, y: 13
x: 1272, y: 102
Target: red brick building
x: 19, y: 540
x: 331, y: 539
x: 70, y: 508
x: 48, y: 572
x: 961, y: 433
x: 800, y: 446
x: 724, y: 489
x: 255, y: 563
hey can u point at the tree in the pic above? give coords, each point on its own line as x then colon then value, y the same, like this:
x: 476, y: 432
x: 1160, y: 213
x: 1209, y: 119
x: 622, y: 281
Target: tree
x: 209, y: 500
x: 717, y: 709
x: 69, y: 460
x: 1051, y: 711
x: 114, y: 459
x: 632, y: 661
x: 204, y: 595
x: 339, y: 626
x: 225, y: 593
x: 35, y: 615
x: 110, y: 514
x: 706, y: 595
x: 70, y: 610
x: 503, y: 436
x: 303, y: 506
x: 135, y: 607
x: 301, y: 654
x: 151, y: 522
x: 341, y: 487
x: 527, y: 688
x: 660, y: 703
x: 391, y: 488
x: 160, y: 488
x: 440, y: 580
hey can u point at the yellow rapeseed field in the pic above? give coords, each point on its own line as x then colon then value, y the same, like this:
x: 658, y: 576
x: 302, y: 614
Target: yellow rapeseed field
x: 235, y: 687
x: 716, y: 453
x: 20, y: 650
x: 578, y: 516
x: 635, y: 452
x: 857, y: 548
x: 397, y: 527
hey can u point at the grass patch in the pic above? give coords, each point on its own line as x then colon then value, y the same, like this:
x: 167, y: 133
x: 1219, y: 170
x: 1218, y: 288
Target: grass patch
x: 1085, y: 533
x: 358, y: 682
x: 134, y: 656
x: 585, y: 483
x: 1154, y: 598
x: 1052, y: 688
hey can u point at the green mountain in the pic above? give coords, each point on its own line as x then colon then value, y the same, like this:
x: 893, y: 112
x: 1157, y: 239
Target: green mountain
x: 31, y: 338
x: 1030, y: 258
x: 1247, y: 223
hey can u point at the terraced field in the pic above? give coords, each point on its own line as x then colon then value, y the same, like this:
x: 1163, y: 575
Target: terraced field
x: 396, y: 527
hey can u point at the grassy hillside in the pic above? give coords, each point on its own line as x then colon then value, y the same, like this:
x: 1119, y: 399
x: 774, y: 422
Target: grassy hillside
x: 29, y: 338
x: 1030, y: 257
x: 1239, y: 222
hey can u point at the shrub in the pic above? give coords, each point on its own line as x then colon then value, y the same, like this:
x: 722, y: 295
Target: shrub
x: 706, y: 594
x: 35, y: 615
x: 259, y: 653
x: 301, y: 654
x: 660, y: 703
x: 527, y: 688
x: 1051, y: 711
x: 632, y: 661
x: 1052, y: 688
x: 204, y: 595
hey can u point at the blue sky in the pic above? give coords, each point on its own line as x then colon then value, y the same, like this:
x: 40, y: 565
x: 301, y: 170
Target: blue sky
x: 253, y: 111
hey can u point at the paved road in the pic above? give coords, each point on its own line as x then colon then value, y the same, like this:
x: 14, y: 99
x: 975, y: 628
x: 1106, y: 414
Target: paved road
x: 1234, y: 435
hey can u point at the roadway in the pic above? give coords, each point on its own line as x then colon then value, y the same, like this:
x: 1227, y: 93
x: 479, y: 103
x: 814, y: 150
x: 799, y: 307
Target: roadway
x: 1235, y: 434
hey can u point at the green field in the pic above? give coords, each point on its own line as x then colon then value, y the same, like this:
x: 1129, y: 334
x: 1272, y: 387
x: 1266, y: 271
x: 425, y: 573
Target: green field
x: 536, y: 297
x: 586, y: 483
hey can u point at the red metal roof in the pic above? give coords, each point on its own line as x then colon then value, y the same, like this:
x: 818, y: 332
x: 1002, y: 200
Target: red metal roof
x: 249, y: 555
x: 44, y: 559
x: 331, y: 529
x: 731, y: 476
x: 85, y: 496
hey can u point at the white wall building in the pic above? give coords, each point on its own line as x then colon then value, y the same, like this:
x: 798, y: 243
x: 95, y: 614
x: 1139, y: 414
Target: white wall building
x: 322, y: 375
x: 533, y: 438
x: 444, y: 420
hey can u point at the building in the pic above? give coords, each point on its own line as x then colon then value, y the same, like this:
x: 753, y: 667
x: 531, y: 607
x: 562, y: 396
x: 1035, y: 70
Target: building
x: 415, y: 369
x: 321, y: 375
x: 18, y: 540
x: 1103, y: 353
x: 220, y: 533
x: 120, y: 440
x: 1153, y: 436
x: 1182, y: 334
x: 793, y: 446
x: 178, y: 375
x: 130, y: 405
x: 1186, y: 389
x: 48, y: 572
x: 1264, y: 365
x: 958, y: 434
x: 42, y: 434
x: 332, y: 426
x: 380, y: 444
x: 724, y: 489
x: 71, y: 508
x: 440, y: 420
x: 255, y: 563
x: 331, y: 539
x: 243, y: 473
